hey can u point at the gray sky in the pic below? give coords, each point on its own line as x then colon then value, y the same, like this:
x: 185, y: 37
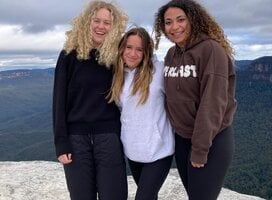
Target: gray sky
x: 32, y: 31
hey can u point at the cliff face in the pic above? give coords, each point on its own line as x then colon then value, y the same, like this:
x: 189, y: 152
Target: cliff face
x: 260, y: 69
x: 33, y: 180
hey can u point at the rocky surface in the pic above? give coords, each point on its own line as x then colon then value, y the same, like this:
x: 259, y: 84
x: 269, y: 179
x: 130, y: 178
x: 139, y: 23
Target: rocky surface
x: 42, y: 180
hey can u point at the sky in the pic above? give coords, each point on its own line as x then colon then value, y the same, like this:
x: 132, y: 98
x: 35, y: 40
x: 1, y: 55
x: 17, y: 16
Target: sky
x: 32, y: 32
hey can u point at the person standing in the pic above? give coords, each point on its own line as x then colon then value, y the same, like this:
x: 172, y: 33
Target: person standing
x: 86, y: 126
x: 146, y: 134
x: 200, y: 95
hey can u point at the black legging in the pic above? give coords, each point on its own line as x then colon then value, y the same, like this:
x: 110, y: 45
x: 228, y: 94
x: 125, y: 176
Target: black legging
x: 205, y: 183
x: 149, y: 177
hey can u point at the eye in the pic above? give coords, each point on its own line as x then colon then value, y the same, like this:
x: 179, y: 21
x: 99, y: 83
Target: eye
x: 181, y: 20
x: 95, y: 20
x: 107, y: 22
x: 167, y: 23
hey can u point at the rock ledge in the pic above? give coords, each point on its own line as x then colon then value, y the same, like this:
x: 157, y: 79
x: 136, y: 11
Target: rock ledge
x: 32, y: 180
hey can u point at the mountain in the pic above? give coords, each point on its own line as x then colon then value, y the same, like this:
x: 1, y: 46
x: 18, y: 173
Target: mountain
x: 45, y: 180
x: 259, y: 69
x: 26, y: 123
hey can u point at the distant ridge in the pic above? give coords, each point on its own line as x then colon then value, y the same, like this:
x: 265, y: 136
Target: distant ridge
x: 246, y: 64
x: 25, y: 73
x: 263, y: 64
x: 258, y: 69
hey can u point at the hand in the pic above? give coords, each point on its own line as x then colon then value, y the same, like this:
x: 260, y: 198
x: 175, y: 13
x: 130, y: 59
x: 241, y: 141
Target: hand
x: 65, y: 158
x: 197, y: 165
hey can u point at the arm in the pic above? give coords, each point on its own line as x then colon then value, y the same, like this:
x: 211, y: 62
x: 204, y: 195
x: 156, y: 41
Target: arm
x: 212, y: 106
x: 61, y: 141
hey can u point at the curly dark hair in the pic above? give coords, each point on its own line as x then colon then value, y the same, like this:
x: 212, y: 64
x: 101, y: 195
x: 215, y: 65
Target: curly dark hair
x: 201, y: 22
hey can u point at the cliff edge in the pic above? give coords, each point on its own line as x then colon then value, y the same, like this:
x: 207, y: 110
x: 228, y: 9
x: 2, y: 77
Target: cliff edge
x: 33, y: 180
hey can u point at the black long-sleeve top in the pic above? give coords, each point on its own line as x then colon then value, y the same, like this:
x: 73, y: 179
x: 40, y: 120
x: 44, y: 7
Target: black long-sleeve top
x: 79, y: 100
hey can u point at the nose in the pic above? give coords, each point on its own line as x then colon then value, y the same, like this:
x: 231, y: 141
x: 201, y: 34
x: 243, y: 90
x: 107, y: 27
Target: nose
x: 175, y: 25
x: 133, y: 53
x: 100, y: 25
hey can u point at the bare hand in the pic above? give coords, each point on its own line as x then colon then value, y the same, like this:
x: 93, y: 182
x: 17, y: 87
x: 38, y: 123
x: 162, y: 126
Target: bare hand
x: 65, y: 158
x: 197, y: 165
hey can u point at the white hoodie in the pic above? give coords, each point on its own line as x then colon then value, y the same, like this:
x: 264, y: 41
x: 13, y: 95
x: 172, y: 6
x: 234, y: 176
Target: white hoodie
x: 146, y: 133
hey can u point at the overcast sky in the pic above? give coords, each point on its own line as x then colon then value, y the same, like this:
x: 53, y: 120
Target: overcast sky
x: 32, y: 31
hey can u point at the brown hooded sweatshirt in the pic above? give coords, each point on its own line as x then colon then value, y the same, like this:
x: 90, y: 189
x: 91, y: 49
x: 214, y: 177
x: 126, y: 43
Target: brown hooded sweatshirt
x: 200, y: 93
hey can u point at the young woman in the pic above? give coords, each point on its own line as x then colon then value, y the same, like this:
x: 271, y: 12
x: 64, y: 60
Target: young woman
x: 200, y: 95
x: 86, y: 126
x: 146, y: 133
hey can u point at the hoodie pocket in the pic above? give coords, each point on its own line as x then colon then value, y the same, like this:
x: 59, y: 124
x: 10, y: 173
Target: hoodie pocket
x: 141, y: 143
x: 182, y: 114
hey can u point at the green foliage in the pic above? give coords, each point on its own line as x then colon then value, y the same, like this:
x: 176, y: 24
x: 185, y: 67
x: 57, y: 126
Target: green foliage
x: 250, y: 172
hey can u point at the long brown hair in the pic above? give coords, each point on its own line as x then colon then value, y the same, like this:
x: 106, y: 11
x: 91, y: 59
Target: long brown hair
x: 143, y: 75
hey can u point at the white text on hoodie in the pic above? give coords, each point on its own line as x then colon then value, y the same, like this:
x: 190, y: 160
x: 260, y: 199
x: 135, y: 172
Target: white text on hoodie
x: 182, y: 71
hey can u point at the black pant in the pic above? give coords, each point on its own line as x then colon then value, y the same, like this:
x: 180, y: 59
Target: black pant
x: 98, y: 167
x: 205, y: 183
x: 149, y: 177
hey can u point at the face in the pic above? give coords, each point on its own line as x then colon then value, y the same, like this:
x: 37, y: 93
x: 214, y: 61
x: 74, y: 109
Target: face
x: 100, y: 26
x: 133, y: 52
x: 177, y: 25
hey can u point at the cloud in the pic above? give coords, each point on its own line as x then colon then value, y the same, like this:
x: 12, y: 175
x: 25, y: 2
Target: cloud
x: 32, y: 26
x: 26, y: 61
x: 33, y: 13
x: 15, y: 38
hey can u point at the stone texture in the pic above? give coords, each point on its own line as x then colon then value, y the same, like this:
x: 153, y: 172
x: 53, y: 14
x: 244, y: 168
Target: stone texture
x: 43, y: 180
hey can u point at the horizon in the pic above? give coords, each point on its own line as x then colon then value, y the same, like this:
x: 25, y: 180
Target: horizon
x: 34, y: 67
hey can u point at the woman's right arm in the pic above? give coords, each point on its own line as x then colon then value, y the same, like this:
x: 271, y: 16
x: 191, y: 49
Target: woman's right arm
x: 61, y: 141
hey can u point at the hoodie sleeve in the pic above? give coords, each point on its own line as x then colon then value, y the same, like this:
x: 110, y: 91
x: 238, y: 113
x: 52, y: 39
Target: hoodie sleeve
x: 158, y: 65
x: 61, y: 141
x: 213, y: 102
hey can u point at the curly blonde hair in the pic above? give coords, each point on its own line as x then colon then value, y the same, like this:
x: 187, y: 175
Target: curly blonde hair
x: 201, y: 22
x: 143, y: 74
x: 78, y: 38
